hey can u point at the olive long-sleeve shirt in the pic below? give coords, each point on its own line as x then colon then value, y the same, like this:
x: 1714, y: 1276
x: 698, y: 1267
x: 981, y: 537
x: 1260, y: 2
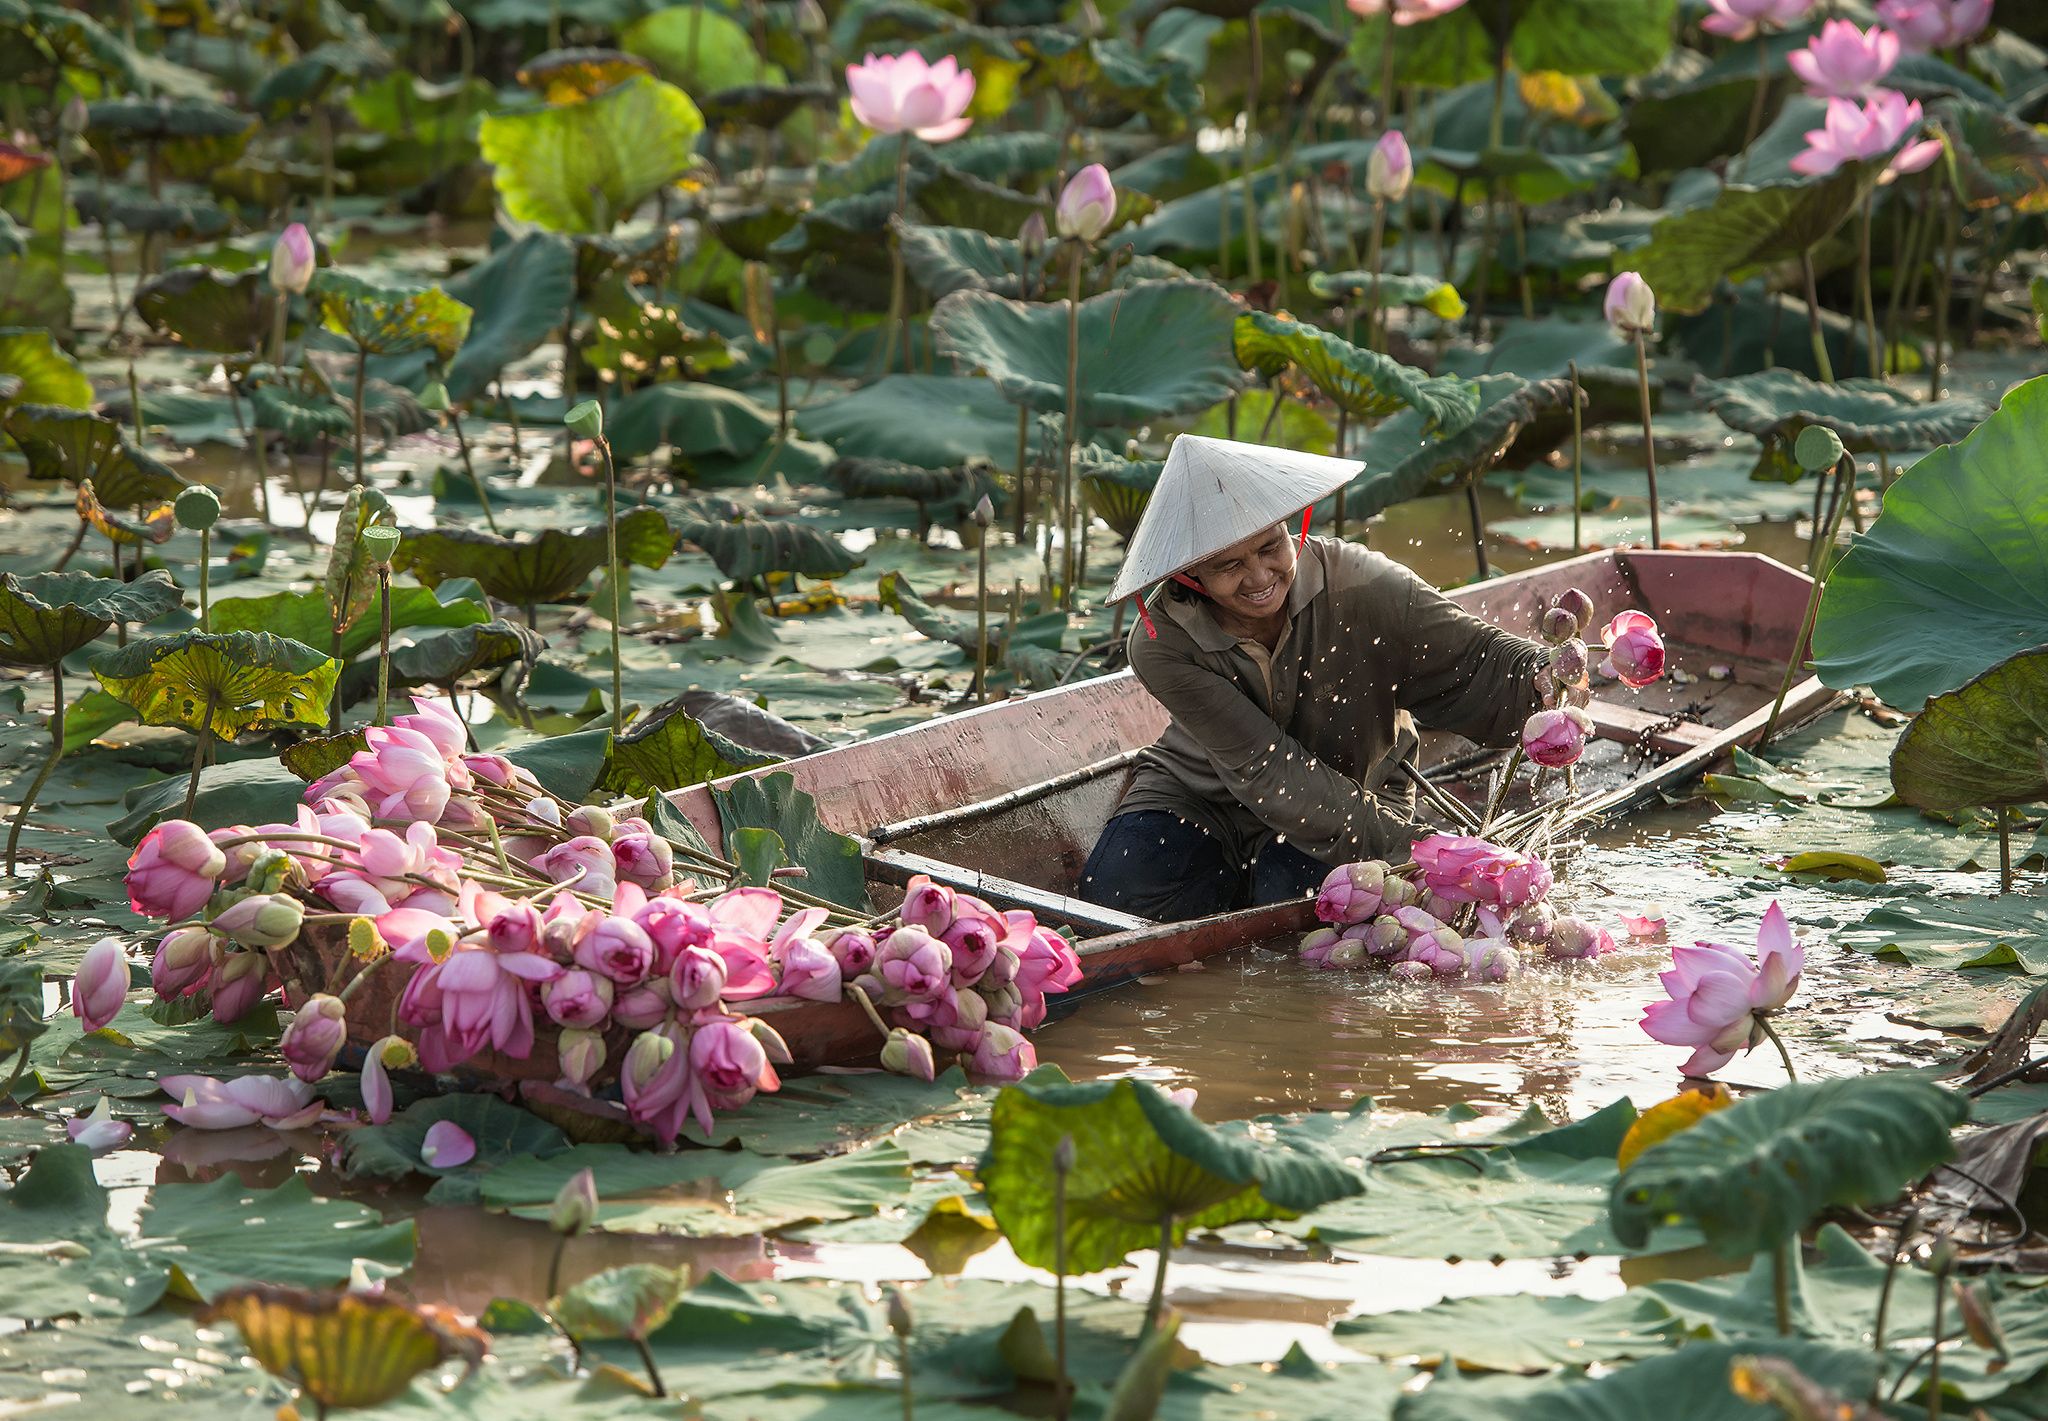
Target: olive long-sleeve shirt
x: 1303, y: 743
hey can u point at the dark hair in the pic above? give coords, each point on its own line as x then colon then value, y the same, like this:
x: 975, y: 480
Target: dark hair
x: 1180, y: 591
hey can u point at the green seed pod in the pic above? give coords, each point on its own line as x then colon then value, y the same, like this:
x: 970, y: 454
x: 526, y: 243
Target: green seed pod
x: 586, y: 420
x: 197, y: 508
x: 379, y: 543
x: 1817, y: 449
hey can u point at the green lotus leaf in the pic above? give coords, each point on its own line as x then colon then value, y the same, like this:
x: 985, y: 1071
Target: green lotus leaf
x: 1984, y: 744
x: 300, y: 415
x: 836, y: 245
x: 669, y: 749
x: 693, y: 419
x: 1142, y: 1165
x: 748, y: 547
x: 319, y: 755
x: 1402, y: 461
x: 45, y: 39
x: 935, y: 421
x: 519, y: 294
x: 950, y: 197
x: 209, y: 310
x: 943, y: 260
x: 893, y: 591
x: 1439, y: 298
x: 48, y: 376
x: 78, y: 447
x: 1950, y: 580
x: 701, y: 48
x: 1869, y: 415
x: 308, y: 617
x: 1160, y: 348
x: 762, y: 105
x: 832, y: 861
x: 1571, y: 36
x: 951, y: 492
x: 452, y: 656
x: 152, y: 120
x: 1682, y: 119
x: 2000, y: 161
x: 48, y: 615
x: 349, y: 583
x: 1547, y: 348
x: 1741, y: 231
x: 183, y: 218
x: 585, y: 167
x: 1753, y: 1175
x: 650, y: 341
x: 386, y: 320
x: 1108, y: 81
x: 249, y: 680
x: 500, y: 1130
x: 403, y: 105
x: 1362, y: 382
x: 1117, y: 488
x: 545, y: 567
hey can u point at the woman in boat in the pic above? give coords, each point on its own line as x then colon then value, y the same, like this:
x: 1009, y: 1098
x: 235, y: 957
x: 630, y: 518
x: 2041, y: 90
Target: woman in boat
x: 1296, y: 670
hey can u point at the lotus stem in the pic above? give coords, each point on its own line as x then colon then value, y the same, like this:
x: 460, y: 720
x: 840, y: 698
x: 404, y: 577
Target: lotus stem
x: 1795, y: 659
x: 14, y: 1076
x: 1020, y: 518
x: 483, y: 495
x: 1375, y: 337
x: 1649, y: 438
x: 1072, y: 431
x: 857, y: 995
x: 1756, y: 102
x: 1478, y: 524
x: 1876, y: 353
x: 1763, y: 1022
x: 1821, y: 363
x: 205, y: 577
x: 1251, y: 143
x: 1781, y: 1286
x: 280, y: 314
x: 1906, y: 272
x: 199, y: 751
x: 981, y: 617
x: 647, y: 1361
x: 1942, y: 288
x: 1884, y: 1296
x: 1500, y: 791
x: 1158, y: 1297
x: 1578, y: 459
x: 355, y: 985
x: 42, y: 778
x: 383, y: 640
x: 362, y: 375
x: 77, y: 542
x: 611, y: 577
x: 1061, y: 1164
x: 2004, y: 850
x: 1934, y: 1346
x: 896, y: 302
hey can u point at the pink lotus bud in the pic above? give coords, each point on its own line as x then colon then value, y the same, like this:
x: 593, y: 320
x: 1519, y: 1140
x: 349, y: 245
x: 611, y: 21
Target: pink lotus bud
x: 1635, y: 649
x: 1488, y: 959
x: 1552, y: 738
x: 1631, y: 307
x: 1926, y: 25
x: 809, y: 971
x: 1349, y: 952
x: 183, y: 963
x: 646, y: 1006
x: 1572, y: 939
x: 649, y: 1052
x: 619, y: 948
x: 580, y: 1054
x: 927, y: 905
x: 1086, y: 205
x: 913, y: 966
x: 264, y: 920
x: 1385, y: 936
x: 1353, y: 892
x: 240, y: 980
x: 591, y: 820
x: 292, y: 259
x: 99, y: 1130
x: 1031, y: 236
x: 447, y: 1146
x: 953, y: 1021
x: 1406, y: 971
x: 728, y: 1064
x: 1577, y: 603
x: 318, y: 1031
x: 578, y: 998
x: 101, y: 985
x: 973, y: 942
x: 1557, y: 625
x: 645, y: 859
x: 1002, y: 1055
x: 855, y: 950
x: 1398, y: 893
x: 584, y: 863
x: 1568, y: 660
x: 575, y: 1206
x: 1317, y: 946
x: 698, y: 979
x: 1739, y: 19
x: 1532, y: 925
x: 173, y: 870
x: 908, y: 1054
x: 1391, y: 168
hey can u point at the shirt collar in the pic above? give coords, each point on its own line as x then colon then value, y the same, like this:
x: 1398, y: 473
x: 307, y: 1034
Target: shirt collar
x: 1195, y: 617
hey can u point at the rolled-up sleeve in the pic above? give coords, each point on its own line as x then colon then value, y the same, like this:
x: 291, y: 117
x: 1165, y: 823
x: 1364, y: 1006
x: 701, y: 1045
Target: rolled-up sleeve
x: 1463, y: 674
x: 1321, y: 811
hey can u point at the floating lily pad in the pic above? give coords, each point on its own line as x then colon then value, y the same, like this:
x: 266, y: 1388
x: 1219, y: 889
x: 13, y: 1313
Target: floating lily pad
x: 2008, y: 931
x: 1159, y: 348
x: 1362, y: 382
x: 935, y: 421
x: 1868, y: 415
x: 584, y: 167
x: 1950, y: 580
x: 502, y: 1132
x: 246, y: 680
x: 47, y: 616
x: 545, y: 567
x: 209, y: 310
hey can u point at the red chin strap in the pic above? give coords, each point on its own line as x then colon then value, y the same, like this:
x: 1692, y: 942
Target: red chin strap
x: 1184, y: 580
x: 1306, y: 514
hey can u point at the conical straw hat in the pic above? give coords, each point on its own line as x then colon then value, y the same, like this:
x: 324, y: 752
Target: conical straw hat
x: 1215, y: 492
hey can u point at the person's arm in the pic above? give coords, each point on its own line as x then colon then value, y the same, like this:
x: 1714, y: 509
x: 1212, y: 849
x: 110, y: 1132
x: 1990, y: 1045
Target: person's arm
x: 1322, y: 812
x: 1463, y: 674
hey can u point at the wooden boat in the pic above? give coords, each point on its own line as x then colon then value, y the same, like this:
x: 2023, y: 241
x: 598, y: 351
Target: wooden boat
x: 1006, y: 800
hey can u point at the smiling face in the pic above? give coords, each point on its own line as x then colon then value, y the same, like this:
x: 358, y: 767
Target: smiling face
x: 1248, y: 581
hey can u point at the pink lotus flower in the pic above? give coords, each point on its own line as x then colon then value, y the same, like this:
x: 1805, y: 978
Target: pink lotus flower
x: 473, y: 999
x: 1630, y: 306
x: 1391, y: 169
x: 1406, y: 12
x: 1086, y: 204
x: 207, y: 1103
x: 182, y: 964
x: 1464, y: 869
x: 1352, y: 893
x: 99, y: 1130
x: 908, y: 1054
x: 1844, y: 62
x: 1718, y: 995
x: 578, y: 998
x: 1739, y: 19
x: 1925, y: 25
x: 318, y: 1031
x: 292, y: 259
x: 1555, y: 738
x: 854, y: 949
x: 584, y: 863
x: 404, y: 773
x: 1002, y: 1055
x: 447, y: 1146
x: 1635, y: 649
x: 809, y: 971
x: 173, y: 870
x: 101, y: 985
x: 893, y: 93
x: 1878, y: 127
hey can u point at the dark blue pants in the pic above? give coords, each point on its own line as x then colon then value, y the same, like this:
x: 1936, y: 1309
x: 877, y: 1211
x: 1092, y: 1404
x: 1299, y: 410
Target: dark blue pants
x: 1158, y: 865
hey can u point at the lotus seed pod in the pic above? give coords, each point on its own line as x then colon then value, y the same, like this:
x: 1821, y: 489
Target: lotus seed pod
x: 1817, y: 448
x: 379, y: 544
x: 1559, y: 625
x: 197, y: 508
x: 1577, y: 603
x: 586, y: 420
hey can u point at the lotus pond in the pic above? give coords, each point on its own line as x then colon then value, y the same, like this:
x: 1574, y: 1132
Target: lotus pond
x: 433, y: 433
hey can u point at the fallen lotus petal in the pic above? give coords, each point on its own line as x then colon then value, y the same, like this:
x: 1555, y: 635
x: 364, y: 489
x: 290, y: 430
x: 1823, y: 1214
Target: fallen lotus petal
x: 99, y: 1130
x: 447, y: 1146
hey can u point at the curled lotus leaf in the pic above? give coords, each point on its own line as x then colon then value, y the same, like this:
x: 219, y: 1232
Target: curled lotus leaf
x: 957, y: 488
x: 386, y: 320
x: 153, y: 120
x: 151, y: 524
x: 584, y: 167
x: 569, y: 76
x: 349, y: 582
x: 1117, y: 488
x: 1984, y: 744
x: 626, y: 1302
x: 1743, y: 230
x: 748, y: 547
x: 1869, y: 415
x: 1753, y: 1175
x: 1141, y: 1163
x: 249, y: 680
x: 1158, y: 348
x: 1361, y: 382
x: 345, y: 1348
x: 670, y: 749
x: 1950, y: 580
x: 762, y: 105
x: 48, y: 615
x: 460, y: 652
x: 546, y: 567
x: 301, y: 416
x: 79, y: 447
x: 207, y: 309
x: 2000, y: 161
x: 893, y: 591
x: 1439, y: 298
x: 184, y: 218
x: 48, y: 376
x: 1402, y: 461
